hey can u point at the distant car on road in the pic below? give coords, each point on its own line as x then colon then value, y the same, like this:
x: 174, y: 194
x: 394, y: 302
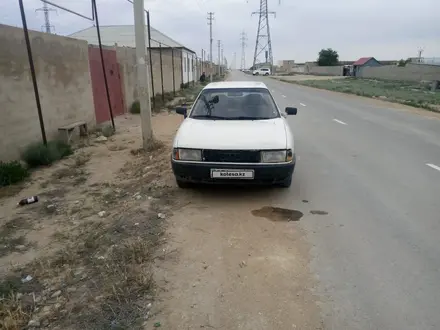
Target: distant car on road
x: 234, y: 133
x: 261, y: 72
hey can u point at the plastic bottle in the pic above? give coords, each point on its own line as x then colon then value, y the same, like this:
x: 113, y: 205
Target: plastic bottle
x: 29, y: 200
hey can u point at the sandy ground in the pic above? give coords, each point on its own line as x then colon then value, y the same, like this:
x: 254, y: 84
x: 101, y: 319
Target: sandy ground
x: 224, y: 258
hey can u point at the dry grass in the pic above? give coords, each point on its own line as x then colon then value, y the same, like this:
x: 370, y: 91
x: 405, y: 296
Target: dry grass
x: 103, y: 272
x: 414, y: 94
x: 12, y: 238
x: 100, y: 276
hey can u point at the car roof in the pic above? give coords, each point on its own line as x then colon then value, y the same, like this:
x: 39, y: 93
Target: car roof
x: 235, y: 84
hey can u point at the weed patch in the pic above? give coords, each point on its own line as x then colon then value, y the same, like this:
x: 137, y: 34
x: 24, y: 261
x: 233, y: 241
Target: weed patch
x: 38, y: 154
x: 11, y: 173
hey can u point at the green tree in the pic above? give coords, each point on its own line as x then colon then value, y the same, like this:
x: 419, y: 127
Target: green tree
x: 328, y: 57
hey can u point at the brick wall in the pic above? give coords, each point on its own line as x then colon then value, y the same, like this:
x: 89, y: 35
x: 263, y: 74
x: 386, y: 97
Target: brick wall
x: 62, y: 69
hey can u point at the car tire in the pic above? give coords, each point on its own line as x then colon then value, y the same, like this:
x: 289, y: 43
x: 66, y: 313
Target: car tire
x: 286, y: 183
x: 182, y: 184
x: 266, y: 74
x: 257, y: 74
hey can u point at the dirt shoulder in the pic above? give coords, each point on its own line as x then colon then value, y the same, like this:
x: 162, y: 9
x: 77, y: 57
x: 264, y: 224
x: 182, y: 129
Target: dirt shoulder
x: 81, y: 257
x: 236, y: 268
x: 114, y: 244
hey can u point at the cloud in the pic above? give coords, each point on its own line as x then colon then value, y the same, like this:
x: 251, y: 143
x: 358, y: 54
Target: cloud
x: 389, y: 29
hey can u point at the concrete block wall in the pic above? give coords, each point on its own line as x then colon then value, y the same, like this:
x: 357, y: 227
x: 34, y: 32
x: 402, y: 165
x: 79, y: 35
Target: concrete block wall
x: 126, y: 57
x: 62, y: 70
x: 324, y: 70
x: 167, y: 67
x: 410, y: 72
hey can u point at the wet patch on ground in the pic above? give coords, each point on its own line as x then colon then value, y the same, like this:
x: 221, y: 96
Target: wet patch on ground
x: 318, y: 212
x: 277, y: 214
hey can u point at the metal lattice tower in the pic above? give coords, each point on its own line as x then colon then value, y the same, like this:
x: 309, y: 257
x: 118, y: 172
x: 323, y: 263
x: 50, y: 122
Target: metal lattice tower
x: 263, y: 44
x: 243, y: 39
x: 47, y: 27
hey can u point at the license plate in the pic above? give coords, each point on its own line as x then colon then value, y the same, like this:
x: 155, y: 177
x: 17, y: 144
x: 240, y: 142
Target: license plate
x: 232, y: 174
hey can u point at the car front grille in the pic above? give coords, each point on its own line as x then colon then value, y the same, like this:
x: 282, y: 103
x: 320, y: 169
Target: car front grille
x: 231, y: 156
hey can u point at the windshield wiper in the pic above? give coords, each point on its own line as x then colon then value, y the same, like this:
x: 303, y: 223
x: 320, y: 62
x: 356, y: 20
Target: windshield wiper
x: 249, y: 118
x: 209, y: 117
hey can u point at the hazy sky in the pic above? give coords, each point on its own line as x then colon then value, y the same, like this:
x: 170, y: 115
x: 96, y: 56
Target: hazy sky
x: 385, y: 29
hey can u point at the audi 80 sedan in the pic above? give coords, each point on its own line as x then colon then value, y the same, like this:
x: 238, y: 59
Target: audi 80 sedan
x: 234, y: 133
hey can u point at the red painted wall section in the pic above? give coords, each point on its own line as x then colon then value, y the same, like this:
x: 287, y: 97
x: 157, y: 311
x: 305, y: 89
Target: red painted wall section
x: 98, y: 84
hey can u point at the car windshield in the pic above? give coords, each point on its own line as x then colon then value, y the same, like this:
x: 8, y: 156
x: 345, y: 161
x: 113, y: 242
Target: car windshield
x: 235, y: 104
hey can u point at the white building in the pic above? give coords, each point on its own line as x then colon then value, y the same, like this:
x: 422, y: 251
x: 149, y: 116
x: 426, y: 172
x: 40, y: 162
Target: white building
x: 123, y: 35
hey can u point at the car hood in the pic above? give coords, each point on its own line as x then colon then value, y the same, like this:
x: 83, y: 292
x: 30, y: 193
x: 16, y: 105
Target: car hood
x: 231, y: 134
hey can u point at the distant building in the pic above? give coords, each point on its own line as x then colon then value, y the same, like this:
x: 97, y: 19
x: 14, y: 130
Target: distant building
x: 123, y: 35
x: 364, y: 62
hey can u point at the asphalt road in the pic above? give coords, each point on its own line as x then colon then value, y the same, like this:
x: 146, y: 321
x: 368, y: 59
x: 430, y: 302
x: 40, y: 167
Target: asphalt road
x: 376, y: 170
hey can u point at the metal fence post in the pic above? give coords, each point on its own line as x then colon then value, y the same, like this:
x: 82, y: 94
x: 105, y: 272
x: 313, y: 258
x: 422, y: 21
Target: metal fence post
x: 34, y: 78
x: 161, y: 71
x: 181, y: 67
x: 193, y: 69
x: 187, y: 67
x: 153, y: 97
x: 174, y: 76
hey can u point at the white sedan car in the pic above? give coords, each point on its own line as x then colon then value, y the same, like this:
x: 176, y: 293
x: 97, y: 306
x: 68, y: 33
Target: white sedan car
x: 234, y: 133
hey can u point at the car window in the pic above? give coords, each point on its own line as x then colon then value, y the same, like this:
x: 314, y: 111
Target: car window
x: 235, y: 103
x: 264, y: 69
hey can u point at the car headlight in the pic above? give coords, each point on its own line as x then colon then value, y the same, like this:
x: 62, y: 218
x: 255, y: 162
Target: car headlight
x: 279, y: 156
x: 188, y: 154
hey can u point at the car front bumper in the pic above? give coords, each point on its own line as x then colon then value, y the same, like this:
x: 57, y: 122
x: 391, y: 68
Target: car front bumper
x: 198, y: 172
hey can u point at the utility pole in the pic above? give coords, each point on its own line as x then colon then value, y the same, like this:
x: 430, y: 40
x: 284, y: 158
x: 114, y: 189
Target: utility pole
x: 222, y: 62
x: 243, y: 39
x: 47, y: 26
x: 210, y: 19
x: 219, y: 44
x: 263, y: 43
x: 141, y: 63
x: 201, y: 65
x: 420, y: 51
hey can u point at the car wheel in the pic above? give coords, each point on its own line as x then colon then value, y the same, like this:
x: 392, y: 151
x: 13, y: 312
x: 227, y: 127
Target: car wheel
x: 257, y: 74
x: 266, y: 74
x: 286, y: 183
x: 182, y: 184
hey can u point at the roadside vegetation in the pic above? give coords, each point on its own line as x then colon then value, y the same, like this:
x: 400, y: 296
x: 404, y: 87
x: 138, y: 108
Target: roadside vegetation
x: 409, y: 93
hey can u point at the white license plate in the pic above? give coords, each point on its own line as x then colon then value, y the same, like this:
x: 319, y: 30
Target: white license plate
x: 232, y: 174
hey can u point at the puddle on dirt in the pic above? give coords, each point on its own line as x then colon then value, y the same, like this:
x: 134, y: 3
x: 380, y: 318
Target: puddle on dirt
x: 277, y: 214
x: 318, y: 212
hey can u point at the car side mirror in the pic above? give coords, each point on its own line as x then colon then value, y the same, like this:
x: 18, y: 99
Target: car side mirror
x: 182, y: 111
x: 291, y: 110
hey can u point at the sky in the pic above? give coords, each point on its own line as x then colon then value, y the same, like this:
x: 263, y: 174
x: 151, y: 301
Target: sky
x: 384, y: 29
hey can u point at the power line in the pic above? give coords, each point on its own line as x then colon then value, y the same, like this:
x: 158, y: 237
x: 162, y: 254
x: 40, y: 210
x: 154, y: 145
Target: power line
x: 210, y: 19
x: 243, y: 39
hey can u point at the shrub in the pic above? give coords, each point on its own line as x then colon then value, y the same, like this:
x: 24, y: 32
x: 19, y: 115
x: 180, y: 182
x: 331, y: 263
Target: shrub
x: 38, y: 154
x: 135, y: 107
x: 11, y: 173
